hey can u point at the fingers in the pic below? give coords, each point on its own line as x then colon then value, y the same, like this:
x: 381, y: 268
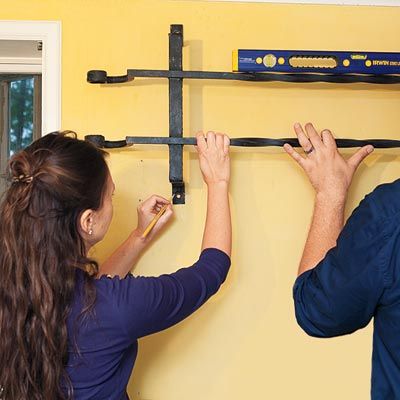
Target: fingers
x: 160, y: 222
x: 294, y: 154
x: 303, y: 139
x: 153, y: 204
x: 315, y: 139
x: 157, y: 208
x: 201, y: 142
x: 227, y: 143
x: 328, y: 139
x: 219, y: 141
x: 356, y: 159
x: 211, y: 139
x: 169, y: 212
x: 154, y: 199
x: 214, y: 160
x: 222, y: 142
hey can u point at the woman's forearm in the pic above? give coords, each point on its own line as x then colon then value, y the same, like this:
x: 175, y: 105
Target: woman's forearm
x: 218, y: 229
x: 124, y: 258
x: 327, y: 223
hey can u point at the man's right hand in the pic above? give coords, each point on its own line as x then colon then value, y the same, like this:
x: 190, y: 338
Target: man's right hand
x: 329, y: 173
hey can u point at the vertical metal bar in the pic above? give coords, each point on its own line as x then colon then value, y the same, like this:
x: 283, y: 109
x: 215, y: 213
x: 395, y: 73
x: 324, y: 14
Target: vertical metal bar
x: 176, y: 114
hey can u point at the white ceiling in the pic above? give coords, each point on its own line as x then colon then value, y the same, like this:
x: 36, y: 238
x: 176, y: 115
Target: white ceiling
x: 394, y: 3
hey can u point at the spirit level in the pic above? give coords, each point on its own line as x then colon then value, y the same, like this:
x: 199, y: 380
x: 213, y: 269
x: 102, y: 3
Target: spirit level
x: 333, y: 62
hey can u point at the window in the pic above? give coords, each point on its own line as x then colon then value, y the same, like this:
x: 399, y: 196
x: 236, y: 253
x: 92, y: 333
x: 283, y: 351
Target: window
x: 20, y: 115
x: 30, y: 84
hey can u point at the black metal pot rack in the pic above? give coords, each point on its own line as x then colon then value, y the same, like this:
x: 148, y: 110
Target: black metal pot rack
x: 176, y: 75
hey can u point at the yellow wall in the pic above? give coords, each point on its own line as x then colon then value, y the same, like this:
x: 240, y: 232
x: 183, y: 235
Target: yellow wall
x: 244, y: 344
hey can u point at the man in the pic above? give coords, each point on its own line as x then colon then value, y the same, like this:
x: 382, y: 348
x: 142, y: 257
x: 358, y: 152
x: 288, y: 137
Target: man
x: 347, y: 275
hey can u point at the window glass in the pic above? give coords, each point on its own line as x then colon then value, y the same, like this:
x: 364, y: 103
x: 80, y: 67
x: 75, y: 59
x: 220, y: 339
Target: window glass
x: 21, y: 98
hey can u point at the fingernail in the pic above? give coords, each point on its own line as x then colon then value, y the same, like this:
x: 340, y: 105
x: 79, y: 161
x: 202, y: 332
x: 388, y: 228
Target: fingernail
x: 297, y: 125
x: 370, y: 149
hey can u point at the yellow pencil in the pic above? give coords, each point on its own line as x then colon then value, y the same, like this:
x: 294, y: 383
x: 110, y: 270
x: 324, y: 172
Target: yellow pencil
x: 154, y: 221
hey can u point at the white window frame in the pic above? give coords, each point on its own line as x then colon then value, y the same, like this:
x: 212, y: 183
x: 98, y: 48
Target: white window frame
x: 49, y: 32
x: 392, y: 3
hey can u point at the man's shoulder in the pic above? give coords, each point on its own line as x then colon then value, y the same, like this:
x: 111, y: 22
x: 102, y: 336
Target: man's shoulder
x: 385, y: 199
x: 379, y: 206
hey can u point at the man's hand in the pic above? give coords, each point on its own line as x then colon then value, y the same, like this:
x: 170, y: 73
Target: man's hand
x: 329, y: 173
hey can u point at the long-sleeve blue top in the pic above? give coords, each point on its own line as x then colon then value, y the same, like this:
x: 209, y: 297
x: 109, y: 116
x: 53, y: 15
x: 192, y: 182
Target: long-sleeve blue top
x: 103, y: 344
x: 358, y: 280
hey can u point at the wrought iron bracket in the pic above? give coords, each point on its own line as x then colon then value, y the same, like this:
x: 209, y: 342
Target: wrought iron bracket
x: 175, y: 76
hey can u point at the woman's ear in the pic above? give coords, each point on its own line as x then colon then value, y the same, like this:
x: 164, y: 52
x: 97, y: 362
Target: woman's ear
x: 86, y: 222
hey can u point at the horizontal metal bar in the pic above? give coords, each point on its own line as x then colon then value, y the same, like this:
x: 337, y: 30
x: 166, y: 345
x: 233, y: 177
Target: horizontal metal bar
x: 264, y: 76
x: 262, y: 142
x: 99, y: 76
x: 100, y: 141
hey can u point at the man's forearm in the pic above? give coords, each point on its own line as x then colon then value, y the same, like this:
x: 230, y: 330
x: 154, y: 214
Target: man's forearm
x: 327, y: 223
x: 218, y: 230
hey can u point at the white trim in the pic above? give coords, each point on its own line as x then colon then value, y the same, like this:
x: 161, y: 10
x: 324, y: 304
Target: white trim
x: 392, y: 3
x: 49, y: 32
x: 20, y: 60
x: 20, y: 68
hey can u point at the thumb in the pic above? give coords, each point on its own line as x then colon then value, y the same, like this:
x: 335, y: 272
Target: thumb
x: 356, y: 159
x: 164, y: 219
x: 150, y: 203
x: 169, y: 212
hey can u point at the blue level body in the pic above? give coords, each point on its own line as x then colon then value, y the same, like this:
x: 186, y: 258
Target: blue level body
x: 333, y: 62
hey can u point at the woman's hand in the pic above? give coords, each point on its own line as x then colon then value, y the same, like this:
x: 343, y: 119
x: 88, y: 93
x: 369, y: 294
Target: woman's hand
x: 147, y: 210
x: 128, y: 253
x: 329, y: 173
x: 214, y: 157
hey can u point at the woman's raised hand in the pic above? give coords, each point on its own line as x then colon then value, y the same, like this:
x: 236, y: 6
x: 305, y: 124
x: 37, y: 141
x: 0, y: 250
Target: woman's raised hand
x: 213, y: 149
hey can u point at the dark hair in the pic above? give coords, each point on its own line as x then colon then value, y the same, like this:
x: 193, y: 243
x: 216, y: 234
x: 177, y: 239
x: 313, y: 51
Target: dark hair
x: 53, y: 180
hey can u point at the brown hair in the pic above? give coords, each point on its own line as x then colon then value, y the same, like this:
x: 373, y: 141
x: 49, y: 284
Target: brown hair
x: 53, y: 181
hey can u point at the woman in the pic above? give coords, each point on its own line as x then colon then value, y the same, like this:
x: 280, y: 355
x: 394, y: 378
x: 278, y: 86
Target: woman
x: 69, y: 328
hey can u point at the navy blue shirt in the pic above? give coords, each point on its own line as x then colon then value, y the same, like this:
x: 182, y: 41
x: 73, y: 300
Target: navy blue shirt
x: 128, y: 309
x: 359, y: 280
